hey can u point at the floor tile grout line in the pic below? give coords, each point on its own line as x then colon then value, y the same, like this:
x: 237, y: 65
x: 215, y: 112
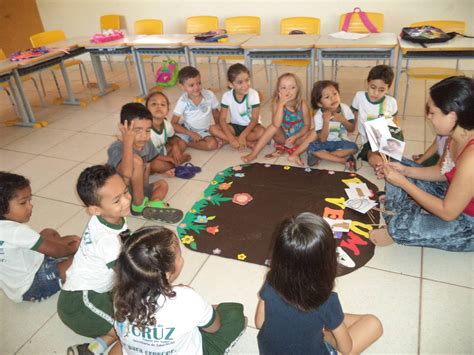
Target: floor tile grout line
x: 199, y: 270
x: 36, y: 332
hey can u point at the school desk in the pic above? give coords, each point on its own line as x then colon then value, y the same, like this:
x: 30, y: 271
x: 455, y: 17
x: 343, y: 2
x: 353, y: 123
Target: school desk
x: 6, y: 75
x: 455, y: 49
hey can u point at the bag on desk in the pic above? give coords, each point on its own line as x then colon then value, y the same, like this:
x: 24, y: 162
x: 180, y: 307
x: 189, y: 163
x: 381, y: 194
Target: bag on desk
x: 167, y: 73
x: 426, y: 34
x: 211, y: 36
x: 363, y: 17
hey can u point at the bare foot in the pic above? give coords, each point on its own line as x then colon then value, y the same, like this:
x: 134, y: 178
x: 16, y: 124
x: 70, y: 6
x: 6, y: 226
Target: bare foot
x: 248, y: 158
x: 295, y: 159
x: 169, y: 173
x: 220, y: 142
x: 380, y: 237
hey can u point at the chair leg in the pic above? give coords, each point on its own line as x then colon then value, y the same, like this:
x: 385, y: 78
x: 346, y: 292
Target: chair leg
x: 270, y: 73
x: 266, y: 69
x: 128, y: 72
x: 81, y: 65
x: 209, y: 70
x: 38, y: 92
x: 11, y: 100
x: 406, y: 97
x: 335, y: 71
x: 307, y: 80
x: 57, y: 84
x: 218, y: 73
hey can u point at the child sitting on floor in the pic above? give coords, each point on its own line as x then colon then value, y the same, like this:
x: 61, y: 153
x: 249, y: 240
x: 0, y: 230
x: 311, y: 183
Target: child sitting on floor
x: 373, y: 103
x: 298, y: 312
x: 290, y: 118
x: 243, y: 104
x: 85, y: 302
x: 435, y: 151
x: 193, y: 113
x: 146, y: 302
x: 31, y: 266
x: 132, y: 157
x: 332, y: 121
x: 163, y: 137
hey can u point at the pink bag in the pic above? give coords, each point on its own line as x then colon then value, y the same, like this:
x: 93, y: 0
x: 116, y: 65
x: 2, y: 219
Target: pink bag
x: 363, y: 17
x: 107, y: 36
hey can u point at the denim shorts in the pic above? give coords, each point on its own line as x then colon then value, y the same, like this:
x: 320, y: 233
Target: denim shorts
x: 331, y: 146
x: 203, y: 133
x: 46, y: 282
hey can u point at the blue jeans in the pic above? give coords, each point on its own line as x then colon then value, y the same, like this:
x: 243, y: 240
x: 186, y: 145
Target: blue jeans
x: 46, y: 281
x: 331, y: 146
x: 413, y: 225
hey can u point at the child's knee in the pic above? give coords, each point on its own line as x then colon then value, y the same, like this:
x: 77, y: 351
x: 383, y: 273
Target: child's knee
x: 211, y: 143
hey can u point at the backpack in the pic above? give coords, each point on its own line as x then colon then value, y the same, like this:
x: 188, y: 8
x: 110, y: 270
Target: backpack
x: 363, y: 17
x: 427, y: 34
x: 211, y: 36
x: 167, y: 73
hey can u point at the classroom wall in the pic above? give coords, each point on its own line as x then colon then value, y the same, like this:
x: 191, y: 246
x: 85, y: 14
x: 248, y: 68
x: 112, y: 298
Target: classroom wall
x: 81, y: 17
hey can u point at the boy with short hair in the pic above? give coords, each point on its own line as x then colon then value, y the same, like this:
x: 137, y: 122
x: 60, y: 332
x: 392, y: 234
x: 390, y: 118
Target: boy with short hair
x: 193, y: 113
x: 31, y: 263
x: 373, y: 103
x: 132, y: 157
x: 85, y: 302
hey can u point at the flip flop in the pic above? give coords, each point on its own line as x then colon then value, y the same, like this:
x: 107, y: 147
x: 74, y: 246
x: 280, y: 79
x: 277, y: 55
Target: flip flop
x: 195, y: 169
x: 183, y: 172
x: 157, y: 211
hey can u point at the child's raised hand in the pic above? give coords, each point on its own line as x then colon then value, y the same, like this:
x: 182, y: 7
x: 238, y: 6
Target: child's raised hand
x: 327, y: 115
x: 338, y: 117
x: 128, y: 133
x: 284, y: 99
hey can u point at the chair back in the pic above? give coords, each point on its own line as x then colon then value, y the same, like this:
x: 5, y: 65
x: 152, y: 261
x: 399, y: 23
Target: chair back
x: 110, y: 22
x: 309, y: 25
x: 200, y: 24
x: 45, y: 38
x: 356, y: 24
x: 445, y: 25
x: 242, y: 24
x: 149, y: 27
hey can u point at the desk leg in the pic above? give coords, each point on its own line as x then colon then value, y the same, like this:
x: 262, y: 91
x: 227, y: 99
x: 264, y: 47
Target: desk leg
x: 192, y: 59
x: 19, y: 102
x: 188, y: 55
x: 320, y: 64
x: 25, y: 110
x: 104, y: 87
x: 398, y: 72
x: 140, y: 72
x: 313, y: 67
x: 71, y: 99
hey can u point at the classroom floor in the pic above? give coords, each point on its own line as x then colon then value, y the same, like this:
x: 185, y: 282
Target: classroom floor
x: 424, y: 297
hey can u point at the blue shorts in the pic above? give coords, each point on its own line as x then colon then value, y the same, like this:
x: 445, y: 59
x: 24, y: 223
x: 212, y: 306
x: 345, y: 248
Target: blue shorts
x: 331, y: 146
x: 46, y: 282
x: 203, y: 133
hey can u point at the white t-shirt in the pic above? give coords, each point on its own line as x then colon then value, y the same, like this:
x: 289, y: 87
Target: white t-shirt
x: 92, y: 266
x: 240, y: 112
x: 176, y: 330
x: 196, y: 117
x: 337, y: 131
x: 19, y: 261
x: 386, y: 106
x: 159, y: 139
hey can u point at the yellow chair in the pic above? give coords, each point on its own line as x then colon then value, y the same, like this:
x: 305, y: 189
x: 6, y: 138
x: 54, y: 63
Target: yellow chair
x: 110, y: 22
x: 6, y: 86
x: 239, y: 25
x: 144, y: 27
x: 309, y: 25
x: 356, y: 25
x: 45, y: 38
x: 433, y: 73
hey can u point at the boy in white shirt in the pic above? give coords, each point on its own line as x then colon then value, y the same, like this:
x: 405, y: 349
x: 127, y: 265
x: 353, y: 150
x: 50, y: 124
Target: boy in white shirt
x: 373, y: 103
x: 85, y: 302
x: 30, y: 263
x: 193, y: 113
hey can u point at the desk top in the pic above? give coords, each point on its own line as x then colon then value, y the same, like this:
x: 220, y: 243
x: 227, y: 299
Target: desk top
x: 458, y: 43
x: 6, y: 66
x: 280, y: 41
x: 373, y: 40
x: 120, y: 43
x: 160, y: 40
x: 234, y: 40
x: 68, y: 44
x: 54, y: 53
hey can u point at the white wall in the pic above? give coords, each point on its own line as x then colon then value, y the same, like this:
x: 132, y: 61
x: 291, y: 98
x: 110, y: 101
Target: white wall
x: 81, y: 17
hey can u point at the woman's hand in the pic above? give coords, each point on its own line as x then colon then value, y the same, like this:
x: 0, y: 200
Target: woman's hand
x: 394, y: 176
x: 380, y: 169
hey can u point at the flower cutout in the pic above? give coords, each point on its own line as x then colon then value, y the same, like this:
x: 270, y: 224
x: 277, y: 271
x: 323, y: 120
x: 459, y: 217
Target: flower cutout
x: 242, y: 198
x: 212, y: 230
x: 187, y: 239
x: 353, y: 174
x: 237, y: 168
x: 331, y: 172
x: 308, y: 170
x: 239, y: 175
x: 213, y: 182
x: 267, y: 165
x: 201, y: 219
x: 242, y: 256
x: 287, y: 167
x: 192, y: 211
x: 216, y: 251
x: 225, y: 186
x: 182, y: 225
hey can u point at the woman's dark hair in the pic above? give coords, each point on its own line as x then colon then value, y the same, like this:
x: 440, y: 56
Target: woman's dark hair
x: 147, y: 255
x: 304, y: 261
x: 317, y: 92
x: 9, y: 185
x: 234, y: 70
x: 456, y: 94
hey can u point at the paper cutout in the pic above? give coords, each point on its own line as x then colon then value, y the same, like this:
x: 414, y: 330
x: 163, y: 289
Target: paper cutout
x: 212, y: 230
x: 339, y: 225
x: 362, y: 205
x: 242, y: 198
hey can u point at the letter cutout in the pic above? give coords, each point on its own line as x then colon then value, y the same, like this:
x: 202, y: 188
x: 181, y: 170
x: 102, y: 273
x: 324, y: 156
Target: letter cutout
x: 344, y: 259
x: 333, y: 214
x: 338, y: 201
x: 351, y: 181
x: 355, y: 228
x: 352, y: 243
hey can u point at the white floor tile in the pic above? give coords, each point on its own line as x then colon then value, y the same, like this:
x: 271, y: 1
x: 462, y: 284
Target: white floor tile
x: 247, y: 344
x: 11, y: 134
x: 40, y: 140
x: 397, y: 258
x: 188, y: 195
x: 77, y: 120
x: 50, y: 213
x: 10, y: 160
x: 446, y: 319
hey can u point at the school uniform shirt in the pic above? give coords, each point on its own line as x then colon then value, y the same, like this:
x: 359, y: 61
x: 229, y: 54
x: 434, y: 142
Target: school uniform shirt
x: 240, y: 111
x: 92, y: 265
x: 337, y: 131
x: 176, y: 330
x: 159, y: 139
x: 368, y: 110
x: 115, y: 153
x: 196, y: 117
x: 19, y: 260
x: 286, y: 330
